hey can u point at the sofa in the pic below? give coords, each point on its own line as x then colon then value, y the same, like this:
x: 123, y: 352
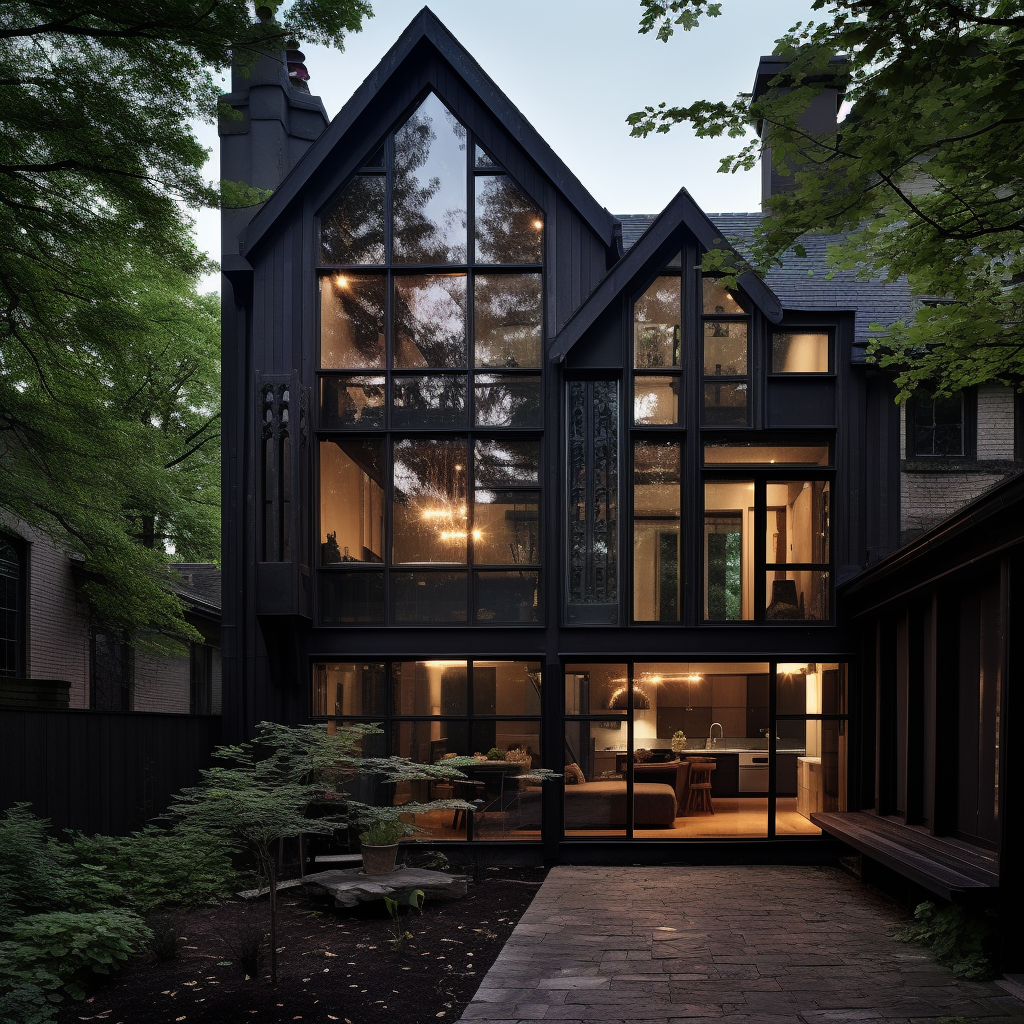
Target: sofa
x: 595, y: 805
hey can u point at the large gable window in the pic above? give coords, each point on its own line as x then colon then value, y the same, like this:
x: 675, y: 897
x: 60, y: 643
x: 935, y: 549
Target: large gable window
x: 430, y: 327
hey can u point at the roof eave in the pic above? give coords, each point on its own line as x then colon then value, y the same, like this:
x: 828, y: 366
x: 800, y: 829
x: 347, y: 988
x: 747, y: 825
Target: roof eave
x: 682, y: 209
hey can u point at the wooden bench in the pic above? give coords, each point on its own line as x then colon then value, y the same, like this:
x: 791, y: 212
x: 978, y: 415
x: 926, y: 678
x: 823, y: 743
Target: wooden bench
x: 949, y: 868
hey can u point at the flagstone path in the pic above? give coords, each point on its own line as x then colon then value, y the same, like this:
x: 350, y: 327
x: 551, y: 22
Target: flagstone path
x: 733, y: 945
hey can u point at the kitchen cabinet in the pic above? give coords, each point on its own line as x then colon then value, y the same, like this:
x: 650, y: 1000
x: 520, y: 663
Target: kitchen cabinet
x: 785, y: 774
x: 725, y: 779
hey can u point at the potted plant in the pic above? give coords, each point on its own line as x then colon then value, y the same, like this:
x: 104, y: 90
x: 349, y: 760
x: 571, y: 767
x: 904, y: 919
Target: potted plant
x: 678, y: 741
x: 379, y: 845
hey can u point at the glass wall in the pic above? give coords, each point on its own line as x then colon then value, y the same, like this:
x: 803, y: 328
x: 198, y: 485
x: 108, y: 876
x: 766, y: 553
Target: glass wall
x: 435, y: 334
x: 688, y: 750
x: 766, y: 538
x: 657, y: 551
x: 430, y: 710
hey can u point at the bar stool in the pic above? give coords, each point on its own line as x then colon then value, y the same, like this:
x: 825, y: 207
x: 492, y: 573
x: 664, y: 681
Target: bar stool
x: 699, y: 798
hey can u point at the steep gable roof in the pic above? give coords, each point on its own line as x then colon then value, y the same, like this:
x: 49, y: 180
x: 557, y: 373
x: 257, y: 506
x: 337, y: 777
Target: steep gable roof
x: 644, y: 246
x: 427, y: 28
x: 807, y: 282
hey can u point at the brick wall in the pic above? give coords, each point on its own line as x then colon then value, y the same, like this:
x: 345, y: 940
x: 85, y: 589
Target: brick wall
x: 57, y: 640
x: 161, y: 684
x: 931, y: 490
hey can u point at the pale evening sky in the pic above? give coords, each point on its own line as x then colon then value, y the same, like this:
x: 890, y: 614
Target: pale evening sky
x: 576, y: 69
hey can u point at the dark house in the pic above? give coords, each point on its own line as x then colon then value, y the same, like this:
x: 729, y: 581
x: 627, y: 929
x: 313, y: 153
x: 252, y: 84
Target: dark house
x: 509, y: 475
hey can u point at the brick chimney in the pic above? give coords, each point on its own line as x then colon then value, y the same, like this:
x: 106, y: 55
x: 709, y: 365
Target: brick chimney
x: 819, y: 118
x: 279, y: 120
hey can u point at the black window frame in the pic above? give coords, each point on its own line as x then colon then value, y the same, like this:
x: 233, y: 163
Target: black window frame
x: 830, y: 331
x: 15, y: 661
x: 968, y: 428
x: 391, y: 432
x: 761, y: 475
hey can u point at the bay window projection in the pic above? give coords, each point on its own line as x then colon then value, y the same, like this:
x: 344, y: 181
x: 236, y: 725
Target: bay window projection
x: 793, y: 558
x: 657, y: 356
x: 724, y: 361
x: 657, y: 587
x: 431, y: 324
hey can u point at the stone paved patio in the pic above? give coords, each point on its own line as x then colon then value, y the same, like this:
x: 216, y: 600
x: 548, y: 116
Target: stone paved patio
x: 736, y: 945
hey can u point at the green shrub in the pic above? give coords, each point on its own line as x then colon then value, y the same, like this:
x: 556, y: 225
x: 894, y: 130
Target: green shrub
x: 383, y: 833
x: 57, y: 952
x: 962, y: 940
x: 33, y: 866
x: 154, y: 869
x: 23, y: 1003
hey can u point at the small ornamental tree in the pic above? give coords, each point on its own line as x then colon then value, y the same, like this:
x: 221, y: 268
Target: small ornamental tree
x: 290, y: 780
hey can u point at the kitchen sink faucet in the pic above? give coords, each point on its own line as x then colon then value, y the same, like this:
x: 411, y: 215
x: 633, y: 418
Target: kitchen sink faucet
x: 710, y: 743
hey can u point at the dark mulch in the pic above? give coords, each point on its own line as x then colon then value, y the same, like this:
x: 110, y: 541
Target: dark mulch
x: 332, y: 965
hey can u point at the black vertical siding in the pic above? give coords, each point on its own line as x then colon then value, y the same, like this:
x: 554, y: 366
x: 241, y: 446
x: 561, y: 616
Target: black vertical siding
x: 100, y: 772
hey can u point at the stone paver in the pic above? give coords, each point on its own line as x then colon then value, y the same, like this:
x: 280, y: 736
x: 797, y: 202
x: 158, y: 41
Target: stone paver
x: 732, y: 945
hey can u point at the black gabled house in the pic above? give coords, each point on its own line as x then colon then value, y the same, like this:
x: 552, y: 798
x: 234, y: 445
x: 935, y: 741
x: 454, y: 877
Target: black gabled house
x: 510, y: 475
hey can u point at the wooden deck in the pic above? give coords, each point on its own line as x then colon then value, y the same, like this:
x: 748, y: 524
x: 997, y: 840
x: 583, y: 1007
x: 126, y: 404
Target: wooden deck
x: 947, y: 867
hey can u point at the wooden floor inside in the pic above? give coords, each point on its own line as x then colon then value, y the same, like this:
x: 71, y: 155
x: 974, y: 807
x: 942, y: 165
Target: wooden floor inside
x: 733, y: 818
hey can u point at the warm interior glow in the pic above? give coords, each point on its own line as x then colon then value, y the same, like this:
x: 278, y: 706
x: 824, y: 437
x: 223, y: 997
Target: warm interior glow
x: 341, y: 281
x: 538, y: 224
x: 460, y: 535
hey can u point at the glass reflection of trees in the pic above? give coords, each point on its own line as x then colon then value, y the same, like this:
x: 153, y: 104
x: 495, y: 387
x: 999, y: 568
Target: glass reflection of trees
x: 464, y: 535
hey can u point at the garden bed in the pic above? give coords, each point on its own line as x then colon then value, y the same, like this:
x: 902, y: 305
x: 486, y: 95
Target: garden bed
x: 332, y: 964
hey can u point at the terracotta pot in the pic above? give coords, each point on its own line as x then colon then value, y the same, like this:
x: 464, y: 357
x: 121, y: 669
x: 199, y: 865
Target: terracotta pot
x: 379, y: 860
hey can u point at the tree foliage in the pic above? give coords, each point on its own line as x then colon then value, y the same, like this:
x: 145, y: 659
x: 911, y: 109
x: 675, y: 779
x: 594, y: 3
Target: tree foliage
x: 923, y: 175
x: 109, y: 376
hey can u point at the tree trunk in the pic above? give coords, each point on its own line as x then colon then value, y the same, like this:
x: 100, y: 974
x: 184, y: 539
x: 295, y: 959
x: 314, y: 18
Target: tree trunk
x: 272, y: 877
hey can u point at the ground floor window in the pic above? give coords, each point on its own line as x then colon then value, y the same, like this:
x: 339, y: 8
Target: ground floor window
x: 431, y: 709
x: 699, y: 750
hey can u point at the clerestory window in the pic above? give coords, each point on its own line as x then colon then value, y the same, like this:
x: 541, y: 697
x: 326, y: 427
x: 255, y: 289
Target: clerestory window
x: 430, y: 406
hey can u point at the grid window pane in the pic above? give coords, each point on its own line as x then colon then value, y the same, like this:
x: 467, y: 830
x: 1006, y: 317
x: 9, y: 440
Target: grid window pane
x: 505, y: 401
x: 430, y: 511
x: 353, y: 689
x: 656, y: 318
x: 428, y: 198
x: 655, y: 400
x: 508, y: 598
x: 509, y: 225
x: 507, y: 320
x: 352, y: 321
x: 353, y: 230
x: 356, y: 402
x: 796, y: 352
x: 429, y: 321
x: 351, y: 501
x: 438, y: 597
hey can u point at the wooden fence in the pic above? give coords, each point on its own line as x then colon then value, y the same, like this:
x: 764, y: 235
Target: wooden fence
x: 103, y: 772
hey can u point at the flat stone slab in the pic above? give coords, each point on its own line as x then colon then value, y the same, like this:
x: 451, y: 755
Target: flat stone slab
x: 351, y: 886
x: 722, y: 945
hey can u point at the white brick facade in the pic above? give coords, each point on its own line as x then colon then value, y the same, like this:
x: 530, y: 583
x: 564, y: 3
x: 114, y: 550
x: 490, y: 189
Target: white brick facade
x: 928, y: 497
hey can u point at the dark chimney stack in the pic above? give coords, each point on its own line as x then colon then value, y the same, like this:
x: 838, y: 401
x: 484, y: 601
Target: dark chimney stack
x: 820, y: 117
x: 275, y: 122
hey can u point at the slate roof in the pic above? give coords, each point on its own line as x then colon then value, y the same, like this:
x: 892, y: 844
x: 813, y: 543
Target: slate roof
x: 199, y: 585
x: 802, y: 283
